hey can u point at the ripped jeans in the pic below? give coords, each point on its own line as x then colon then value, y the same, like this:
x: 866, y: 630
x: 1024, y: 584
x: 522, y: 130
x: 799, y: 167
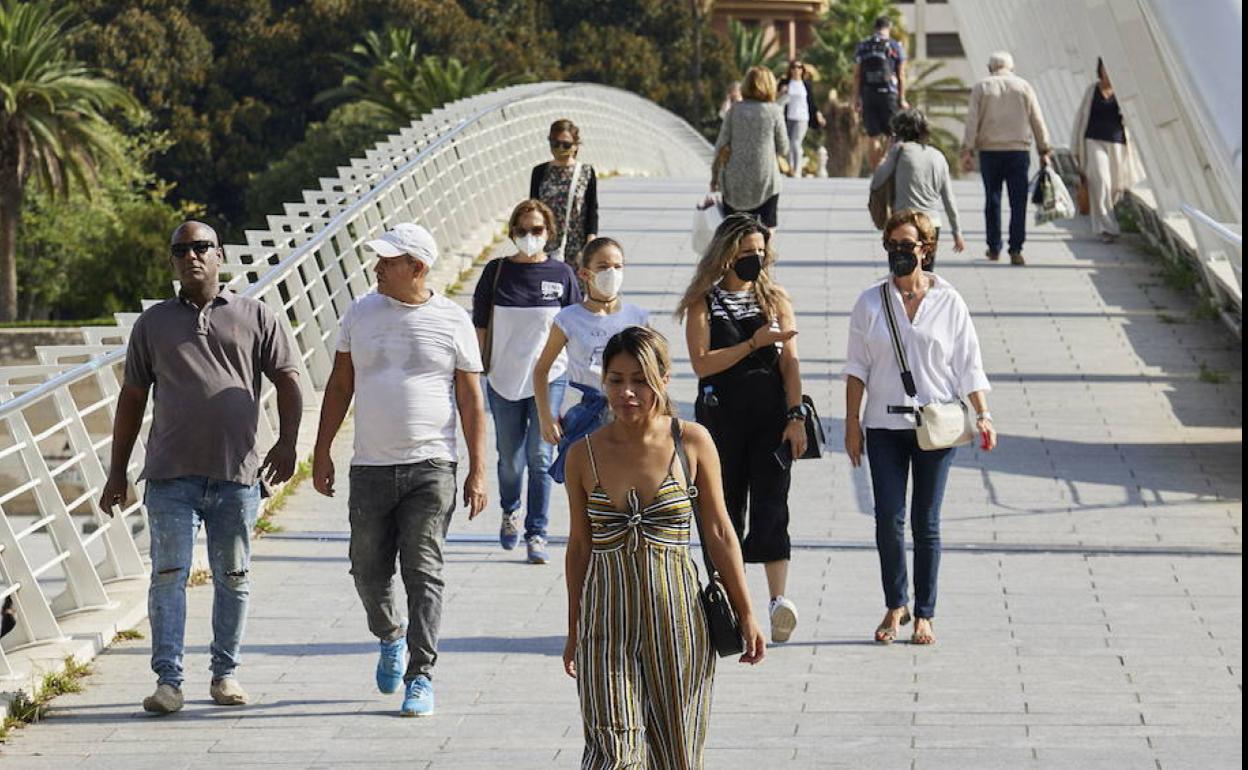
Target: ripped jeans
x: 175, y: 508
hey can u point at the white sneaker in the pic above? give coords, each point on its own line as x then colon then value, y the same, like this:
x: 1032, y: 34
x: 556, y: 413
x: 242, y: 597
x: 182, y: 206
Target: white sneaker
x: 783, y: 619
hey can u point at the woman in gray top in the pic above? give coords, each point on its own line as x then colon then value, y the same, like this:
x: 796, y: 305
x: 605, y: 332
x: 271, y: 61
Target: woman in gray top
x: 920, y: 177
x: 750, y: 138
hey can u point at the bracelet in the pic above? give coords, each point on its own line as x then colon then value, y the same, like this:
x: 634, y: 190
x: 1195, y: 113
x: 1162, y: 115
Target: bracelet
x: 984, y: 416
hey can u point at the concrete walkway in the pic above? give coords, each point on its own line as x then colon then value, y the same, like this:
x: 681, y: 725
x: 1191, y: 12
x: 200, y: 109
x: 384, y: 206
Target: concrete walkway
x: 1091, y: 590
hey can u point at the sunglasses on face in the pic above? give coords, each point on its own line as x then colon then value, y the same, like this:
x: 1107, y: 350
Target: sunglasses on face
x: 535, y: 230
x: 556, y: 144
x: 180, y: 250
x: 911, y: 246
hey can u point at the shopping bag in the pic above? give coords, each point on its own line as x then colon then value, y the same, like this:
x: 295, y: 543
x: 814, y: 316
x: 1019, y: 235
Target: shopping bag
x: 1051, y: 197
x: 706, y: 217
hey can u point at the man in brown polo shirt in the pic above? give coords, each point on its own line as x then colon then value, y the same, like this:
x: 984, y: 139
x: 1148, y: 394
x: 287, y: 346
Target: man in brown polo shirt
x: 202, y: 353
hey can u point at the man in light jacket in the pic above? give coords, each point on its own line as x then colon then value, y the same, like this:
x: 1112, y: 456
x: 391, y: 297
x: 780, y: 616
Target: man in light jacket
x: 1001, y: 121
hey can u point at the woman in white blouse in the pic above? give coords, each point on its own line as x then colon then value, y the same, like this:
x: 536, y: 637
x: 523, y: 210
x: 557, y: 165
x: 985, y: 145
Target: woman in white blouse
x: 943, y: 353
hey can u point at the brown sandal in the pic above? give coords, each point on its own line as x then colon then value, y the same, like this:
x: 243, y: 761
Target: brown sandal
x: 886, y: 634
x: 924, y: 638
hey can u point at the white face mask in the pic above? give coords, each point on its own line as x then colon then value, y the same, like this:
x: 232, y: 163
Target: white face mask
x: 530, y: 245
x: 607, y: 282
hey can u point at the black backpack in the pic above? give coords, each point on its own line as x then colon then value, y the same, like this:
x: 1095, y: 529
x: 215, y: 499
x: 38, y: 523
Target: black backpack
x: 876, y: 66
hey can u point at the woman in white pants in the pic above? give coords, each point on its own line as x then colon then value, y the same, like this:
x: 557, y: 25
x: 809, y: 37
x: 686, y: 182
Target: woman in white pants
x: 1104, y: 155
x: 799, y: 112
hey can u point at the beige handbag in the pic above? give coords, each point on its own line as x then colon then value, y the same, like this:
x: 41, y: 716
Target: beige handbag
x: 937, y: 426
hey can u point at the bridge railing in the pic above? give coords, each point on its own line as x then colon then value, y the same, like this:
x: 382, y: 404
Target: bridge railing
x: 458, y: 171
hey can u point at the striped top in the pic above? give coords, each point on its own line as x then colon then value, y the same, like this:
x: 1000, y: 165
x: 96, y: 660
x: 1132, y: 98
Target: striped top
x: 664, y: 522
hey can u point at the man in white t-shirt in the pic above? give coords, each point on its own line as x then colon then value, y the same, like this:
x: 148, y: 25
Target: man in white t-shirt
x: 410, y: 358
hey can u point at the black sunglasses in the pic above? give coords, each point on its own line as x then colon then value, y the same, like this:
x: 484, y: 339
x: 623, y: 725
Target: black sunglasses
x: 556, y: 144
x: 180, y: 250
x: 891, y: 245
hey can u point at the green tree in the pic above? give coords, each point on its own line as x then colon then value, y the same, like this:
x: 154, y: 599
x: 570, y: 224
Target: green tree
x: 752, y: 48
x: 387, y: 72
x: 83, y: 256
x: 52, y: 121
x: 941, y: 97
x: 836, y: 37
x: 347, y: 133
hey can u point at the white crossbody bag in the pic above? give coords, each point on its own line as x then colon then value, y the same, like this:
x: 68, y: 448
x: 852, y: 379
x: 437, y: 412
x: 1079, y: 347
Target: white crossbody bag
x: 567, y: 215
x: 937, y: 426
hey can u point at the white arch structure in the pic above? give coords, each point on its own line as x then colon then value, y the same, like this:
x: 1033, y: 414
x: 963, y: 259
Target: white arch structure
x: 1177, y: 71
x: 458, y: 171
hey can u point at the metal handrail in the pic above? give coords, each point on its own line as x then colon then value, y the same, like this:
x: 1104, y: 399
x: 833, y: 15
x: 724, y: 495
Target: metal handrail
x: 1221, y: 230
x: 457, y: 170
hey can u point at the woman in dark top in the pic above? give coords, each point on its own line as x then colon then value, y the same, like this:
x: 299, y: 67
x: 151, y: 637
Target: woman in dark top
x: 575, y: 207
x: 1105, y: 159
x: 740, y: 334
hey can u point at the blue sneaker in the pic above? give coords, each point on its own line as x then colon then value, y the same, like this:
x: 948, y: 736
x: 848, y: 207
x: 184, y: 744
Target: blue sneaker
x: 509, y: 531
x: 391, y: 663
x: 418, y: 699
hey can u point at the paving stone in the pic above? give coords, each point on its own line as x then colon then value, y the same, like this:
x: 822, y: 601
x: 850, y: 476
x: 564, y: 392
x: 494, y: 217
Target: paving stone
x: 1045, y: 659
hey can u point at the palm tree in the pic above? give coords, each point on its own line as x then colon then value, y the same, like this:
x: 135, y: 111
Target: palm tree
x: 52, y: 123
x: 836, y: 37
x: 379, y: 71
x: 942, y: 98
x: 387, y: 72
x: 751, y: 48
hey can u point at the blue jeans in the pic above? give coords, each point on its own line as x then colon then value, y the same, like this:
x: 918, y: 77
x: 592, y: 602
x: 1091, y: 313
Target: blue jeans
x: 892, y: 455
x: 1010, y: 167
x: 518, y: 435
x: 175, y: 509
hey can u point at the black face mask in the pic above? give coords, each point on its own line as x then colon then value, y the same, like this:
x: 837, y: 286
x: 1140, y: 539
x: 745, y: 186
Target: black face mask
x: 748, y: 267
x: 902, y: 263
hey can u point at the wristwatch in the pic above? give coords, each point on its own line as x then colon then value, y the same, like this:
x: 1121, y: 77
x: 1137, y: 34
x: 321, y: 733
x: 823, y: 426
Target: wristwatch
x: 984, y: 416
x: 796, y: 413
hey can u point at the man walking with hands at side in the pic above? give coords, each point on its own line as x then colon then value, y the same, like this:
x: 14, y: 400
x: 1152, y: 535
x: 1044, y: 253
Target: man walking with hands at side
x: 411, y: 357
x: 202, y: 353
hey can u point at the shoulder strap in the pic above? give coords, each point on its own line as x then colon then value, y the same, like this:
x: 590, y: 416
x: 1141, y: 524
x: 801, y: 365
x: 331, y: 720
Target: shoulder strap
x: 691, y: 490
x: 736, y: 324
x: 907, y: 377
x: 593, y: 466
x: 567, y: 214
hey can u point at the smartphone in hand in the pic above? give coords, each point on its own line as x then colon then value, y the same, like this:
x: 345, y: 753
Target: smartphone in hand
x: 783, y: 455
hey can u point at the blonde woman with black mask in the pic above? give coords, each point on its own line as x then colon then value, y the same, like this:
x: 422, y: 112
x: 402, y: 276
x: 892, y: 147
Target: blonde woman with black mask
x: 741, y: 335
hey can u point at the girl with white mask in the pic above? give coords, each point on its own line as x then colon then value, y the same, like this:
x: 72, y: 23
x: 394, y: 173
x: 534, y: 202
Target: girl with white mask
x: 513, y: 307
x: 581, y: 333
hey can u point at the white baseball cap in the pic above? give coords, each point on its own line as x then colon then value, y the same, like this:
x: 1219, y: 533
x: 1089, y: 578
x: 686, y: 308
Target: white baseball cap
x: 406, y: 238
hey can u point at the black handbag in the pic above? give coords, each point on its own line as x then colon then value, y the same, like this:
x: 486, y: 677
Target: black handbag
x: 721, y: 622
x: 815, y: 440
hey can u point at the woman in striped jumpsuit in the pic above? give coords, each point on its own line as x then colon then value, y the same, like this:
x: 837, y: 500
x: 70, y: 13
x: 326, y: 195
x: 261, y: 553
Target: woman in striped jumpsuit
x: 637, y: 638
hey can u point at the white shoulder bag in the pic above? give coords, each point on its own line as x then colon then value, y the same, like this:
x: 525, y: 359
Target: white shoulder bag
x: 567, y: 215
x: 937, y: 426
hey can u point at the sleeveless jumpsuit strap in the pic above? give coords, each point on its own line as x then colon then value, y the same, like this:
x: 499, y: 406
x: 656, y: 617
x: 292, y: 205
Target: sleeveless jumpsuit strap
x: 593, y: 466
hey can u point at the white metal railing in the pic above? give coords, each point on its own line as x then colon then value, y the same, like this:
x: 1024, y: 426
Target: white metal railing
x: 1221, y: 256
x: 458, y: 171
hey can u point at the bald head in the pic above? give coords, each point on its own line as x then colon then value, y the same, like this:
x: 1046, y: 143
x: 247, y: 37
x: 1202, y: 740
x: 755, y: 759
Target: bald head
x: 192, y: 230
